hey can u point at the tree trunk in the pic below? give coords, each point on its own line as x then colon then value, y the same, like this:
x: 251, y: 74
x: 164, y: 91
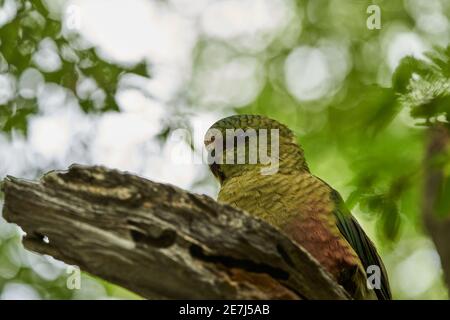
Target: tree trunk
x: 160, y: 241
x: 438, y: 227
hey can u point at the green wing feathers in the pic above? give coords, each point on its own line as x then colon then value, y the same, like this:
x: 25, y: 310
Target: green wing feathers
x: 361, y: 243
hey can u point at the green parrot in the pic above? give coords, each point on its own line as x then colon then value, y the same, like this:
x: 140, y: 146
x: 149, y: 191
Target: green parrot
x: 300, y: 204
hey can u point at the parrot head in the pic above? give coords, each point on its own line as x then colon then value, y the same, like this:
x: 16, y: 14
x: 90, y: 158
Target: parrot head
x: 243, y: 143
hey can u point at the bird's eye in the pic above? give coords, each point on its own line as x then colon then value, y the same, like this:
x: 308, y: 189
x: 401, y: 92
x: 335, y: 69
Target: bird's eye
x: 210, y: 140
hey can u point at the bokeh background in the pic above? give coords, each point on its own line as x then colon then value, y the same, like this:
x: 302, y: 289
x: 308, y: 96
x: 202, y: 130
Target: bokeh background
x: 110, y: 82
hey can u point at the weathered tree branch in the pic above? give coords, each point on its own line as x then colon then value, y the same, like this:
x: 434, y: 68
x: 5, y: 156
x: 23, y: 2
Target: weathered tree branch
x: 438, y: 227
x: 160, y: 241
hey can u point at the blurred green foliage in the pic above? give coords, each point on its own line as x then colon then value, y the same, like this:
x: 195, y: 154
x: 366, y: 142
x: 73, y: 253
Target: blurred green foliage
x: 20, y: 39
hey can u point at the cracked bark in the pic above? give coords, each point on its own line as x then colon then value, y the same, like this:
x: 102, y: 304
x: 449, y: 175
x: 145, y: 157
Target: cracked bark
x: 437, y: 227
x: 160, y: 241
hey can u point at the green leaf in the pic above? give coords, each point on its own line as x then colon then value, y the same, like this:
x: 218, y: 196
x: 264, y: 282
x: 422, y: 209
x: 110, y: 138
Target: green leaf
x: 390, y: 220
x: 405, y: 70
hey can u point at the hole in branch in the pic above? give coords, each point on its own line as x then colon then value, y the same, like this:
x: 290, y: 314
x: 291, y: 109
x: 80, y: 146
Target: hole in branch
x: 247, y: 265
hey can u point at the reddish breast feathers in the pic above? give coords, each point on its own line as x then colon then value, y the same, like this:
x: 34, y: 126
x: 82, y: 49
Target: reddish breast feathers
x: 315, y: 235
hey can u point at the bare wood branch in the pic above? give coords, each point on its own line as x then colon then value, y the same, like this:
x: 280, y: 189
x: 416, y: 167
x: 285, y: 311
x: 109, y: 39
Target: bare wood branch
x: 438, y: 227
x: 160, y: 241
